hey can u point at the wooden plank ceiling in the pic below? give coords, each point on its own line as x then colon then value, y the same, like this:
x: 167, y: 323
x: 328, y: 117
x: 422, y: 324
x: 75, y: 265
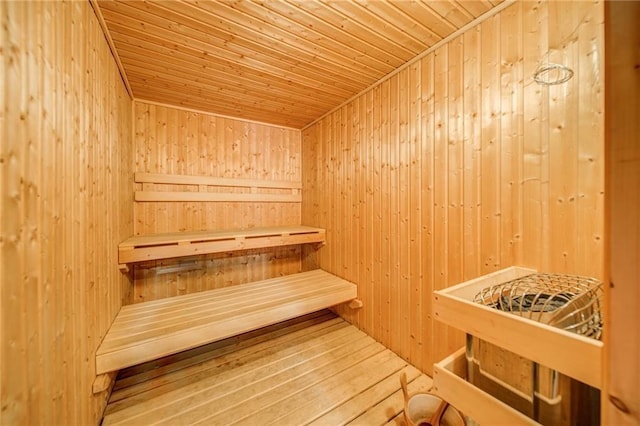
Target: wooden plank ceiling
x: 285, y: 62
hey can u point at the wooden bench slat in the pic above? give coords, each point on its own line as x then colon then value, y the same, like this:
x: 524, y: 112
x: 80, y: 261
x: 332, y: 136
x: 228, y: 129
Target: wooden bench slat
x: 285, y: 298
x: 220, y: 301
x: 153, y: 306
x: 190, y: 236
x: 197, y: 313
x: 209, y: 312
x: 143, y: 337
x: 178, y: 244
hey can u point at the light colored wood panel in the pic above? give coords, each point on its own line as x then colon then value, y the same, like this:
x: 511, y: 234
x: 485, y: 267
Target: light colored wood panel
x: 315, y: 402
x: 415, y: 257
x: 476, y: 8
x: 411, y: 27
x: 427, y: 17
x: 124, y: 16
x: 440, y: 187
x: 142, y: 50
x: 621, y: 393
x: 386, y: 143
x: 170, y: 141
x: 284, y: 369
x: 363, y: 22
x: 240, y: 376
x: 590, y: 228
x: 511, y: 135
x: 161, y: 246
x: 563, y: 142
x: 536, y: 139
x: 302, y: 46
x: 427, y: 189
x: 65, y: 201
x: 173, y: 71
x: 195, y: 93
x: 285, y: 31
x: 490, y: 146
x: 483, y: 204
x: 178, y: 196
x: 116, y: 353
x: 392, y: 215
x: 351, y: 33
x: 452, y: 13
x: 472, y: 137
x: 213, y: 181
x: 372, y: 397
x: 305, y: 373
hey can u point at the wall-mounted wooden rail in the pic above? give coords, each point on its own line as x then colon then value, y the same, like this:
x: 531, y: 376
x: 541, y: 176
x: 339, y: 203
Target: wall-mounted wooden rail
x: 162, y: 246
x: 207, y: 188
x: 150, y: 330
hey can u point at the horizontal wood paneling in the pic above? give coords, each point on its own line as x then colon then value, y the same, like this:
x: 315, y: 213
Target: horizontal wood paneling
x: 174, y: 141
x: 281, y: 62
x: 65, y: 183
x: 460, y: 165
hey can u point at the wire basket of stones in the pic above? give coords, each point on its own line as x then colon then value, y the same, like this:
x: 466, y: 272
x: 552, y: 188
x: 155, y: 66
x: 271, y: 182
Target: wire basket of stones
x: 570, y: 302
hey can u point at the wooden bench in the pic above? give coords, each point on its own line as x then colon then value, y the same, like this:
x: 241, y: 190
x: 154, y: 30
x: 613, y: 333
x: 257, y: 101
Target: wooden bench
x: 150, y: 330
x: 178, y: 244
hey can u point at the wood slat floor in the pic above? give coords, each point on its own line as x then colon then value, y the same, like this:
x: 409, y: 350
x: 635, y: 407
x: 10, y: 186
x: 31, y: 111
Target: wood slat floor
x: 316, y: 369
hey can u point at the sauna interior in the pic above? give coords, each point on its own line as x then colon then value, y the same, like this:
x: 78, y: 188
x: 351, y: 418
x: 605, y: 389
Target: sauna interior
x: 245, y: 179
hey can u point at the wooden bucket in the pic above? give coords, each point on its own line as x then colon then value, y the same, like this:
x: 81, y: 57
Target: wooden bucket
x: 420, y: 409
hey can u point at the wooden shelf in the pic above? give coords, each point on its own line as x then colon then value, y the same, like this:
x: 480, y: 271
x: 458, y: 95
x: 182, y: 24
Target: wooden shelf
x: 549, y: 346
x: 150, y: 330
x: 162, y: 246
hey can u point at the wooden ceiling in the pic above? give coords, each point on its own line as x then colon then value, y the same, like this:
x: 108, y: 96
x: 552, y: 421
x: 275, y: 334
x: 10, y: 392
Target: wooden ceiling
x: 285, y: 62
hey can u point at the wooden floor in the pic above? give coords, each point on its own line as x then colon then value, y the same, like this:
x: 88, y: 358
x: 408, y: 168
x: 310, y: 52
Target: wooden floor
x: 316, y: 369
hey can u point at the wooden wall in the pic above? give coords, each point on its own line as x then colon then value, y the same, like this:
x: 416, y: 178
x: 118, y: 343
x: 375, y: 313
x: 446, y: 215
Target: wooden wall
x: 65, y: 183
x: 171, y: 140
x: 459, y: 165
x: 622, y: 340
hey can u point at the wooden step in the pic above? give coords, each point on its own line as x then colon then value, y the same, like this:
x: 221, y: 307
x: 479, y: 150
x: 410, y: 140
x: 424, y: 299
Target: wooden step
x: 177, y: 244
x: 150, y: 330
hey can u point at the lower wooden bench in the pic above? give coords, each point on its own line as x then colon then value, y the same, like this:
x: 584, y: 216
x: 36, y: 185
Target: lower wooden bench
x: 150, y: 330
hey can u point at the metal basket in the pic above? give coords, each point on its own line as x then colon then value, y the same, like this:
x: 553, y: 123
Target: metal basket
x: 569, y: 302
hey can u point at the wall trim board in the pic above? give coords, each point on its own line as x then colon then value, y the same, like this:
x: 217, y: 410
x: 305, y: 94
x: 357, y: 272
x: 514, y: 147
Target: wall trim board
x: 492, y: 12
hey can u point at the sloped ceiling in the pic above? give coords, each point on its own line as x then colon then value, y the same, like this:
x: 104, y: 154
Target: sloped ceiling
x: 285, y: 62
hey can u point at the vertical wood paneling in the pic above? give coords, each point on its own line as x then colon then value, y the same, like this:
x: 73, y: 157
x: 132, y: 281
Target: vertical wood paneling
x: 171, y: 140
x: 415, y: 296
x: 504, y: 171
x: 621, y: 402
x: 471, y: 153
x: 65, y: 180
